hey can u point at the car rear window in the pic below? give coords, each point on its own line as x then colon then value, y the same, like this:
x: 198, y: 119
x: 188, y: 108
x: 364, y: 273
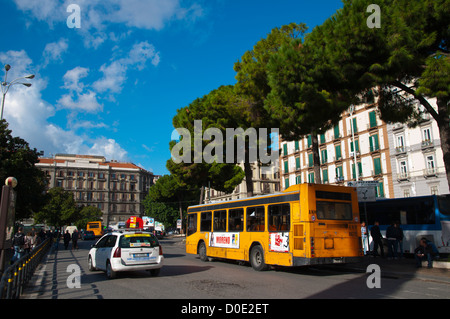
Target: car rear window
x: 138, y: 241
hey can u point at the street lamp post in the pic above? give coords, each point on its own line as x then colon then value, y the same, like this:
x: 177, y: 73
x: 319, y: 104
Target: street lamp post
x: 5, y: 85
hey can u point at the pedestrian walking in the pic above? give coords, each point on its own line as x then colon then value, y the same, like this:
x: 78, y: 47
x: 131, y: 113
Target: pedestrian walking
x: 365, y: 243
x: 18, y: 245
x: 75, y: 236
x: 66, y: 239
x: 377, y: 239
x: 28, y: 243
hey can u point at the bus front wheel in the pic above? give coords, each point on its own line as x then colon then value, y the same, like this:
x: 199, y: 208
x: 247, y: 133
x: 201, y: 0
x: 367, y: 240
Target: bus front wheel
x: 202, y: 252
x: 257, y: 258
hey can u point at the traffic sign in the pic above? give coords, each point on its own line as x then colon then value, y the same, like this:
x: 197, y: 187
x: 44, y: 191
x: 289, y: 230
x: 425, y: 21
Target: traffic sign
x: 365, y: 190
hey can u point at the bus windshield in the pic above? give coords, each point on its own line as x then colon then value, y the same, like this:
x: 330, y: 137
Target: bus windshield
x: 334, y: 211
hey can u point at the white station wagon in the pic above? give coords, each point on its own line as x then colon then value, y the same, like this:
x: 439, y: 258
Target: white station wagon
x: 126, y: 251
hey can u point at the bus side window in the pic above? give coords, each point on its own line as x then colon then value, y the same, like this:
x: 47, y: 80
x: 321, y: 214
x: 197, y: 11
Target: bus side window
x: 279, y: 217
x: 256, y: 221
x: 192, y: 224
x: 236, y: 220
x: 220, y: 221
x: 206, y: 222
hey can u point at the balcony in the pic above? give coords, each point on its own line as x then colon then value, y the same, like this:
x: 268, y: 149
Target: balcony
x: 400, y: 150
x: 403, y: 176
x: 430, y: 172
x: 427, y: 144
x: 339, y: 179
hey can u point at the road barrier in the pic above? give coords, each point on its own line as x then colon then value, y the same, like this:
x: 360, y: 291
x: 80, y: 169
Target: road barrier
x: 15, y: 278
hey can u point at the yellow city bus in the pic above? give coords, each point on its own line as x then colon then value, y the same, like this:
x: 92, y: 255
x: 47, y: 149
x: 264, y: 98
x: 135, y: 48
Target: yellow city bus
x: 96, y: 227
x: 307, y: 224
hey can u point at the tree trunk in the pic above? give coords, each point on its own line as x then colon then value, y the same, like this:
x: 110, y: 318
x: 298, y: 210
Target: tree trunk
x: 202, y: 192
x: 316, y: 158
x: 444, y: 132
x: 248, y: 177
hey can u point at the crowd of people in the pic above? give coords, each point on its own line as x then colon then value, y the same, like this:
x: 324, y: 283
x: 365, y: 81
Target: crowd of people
x: 426, y: 251
x: 23, y: 243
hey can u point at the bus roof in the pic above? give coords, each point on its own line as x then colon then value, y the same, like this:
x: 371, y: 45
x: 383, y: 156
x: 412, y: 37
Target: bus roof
x: 291, y: 194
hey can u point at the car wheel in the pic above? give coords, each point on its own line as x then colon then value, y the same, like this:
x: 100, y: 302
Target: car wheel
x: 110, y: 273
x: 257, y: 258
x: 91, y: 264
x: 202, y: 252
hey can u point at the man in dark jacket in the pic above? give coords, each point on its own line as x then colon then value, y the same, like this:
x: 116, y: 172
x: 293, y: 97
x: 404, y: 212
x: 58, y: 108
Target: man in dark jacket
x: 66, y: 239
x: 18, y: 245
x: 393, y: 235
x: 424, y: 252
x: 377, y: 239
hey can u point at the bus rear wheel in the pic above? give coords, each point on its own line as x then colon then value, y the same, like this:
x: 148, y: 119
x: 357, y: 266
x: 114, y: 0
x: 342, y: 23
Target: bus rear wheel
x: 202, y: 252
x: 257, y: 259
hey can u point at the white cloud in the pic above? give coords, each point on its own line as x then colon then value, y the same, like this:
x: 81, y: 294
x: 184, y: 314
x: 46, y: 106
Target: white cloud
x: 114, y: 74
x: 108, y: 148
x: 97, y: 15
x: 53, y: 51
x: 28, y: 114
x: 86, y: 102
x: 72, y: 78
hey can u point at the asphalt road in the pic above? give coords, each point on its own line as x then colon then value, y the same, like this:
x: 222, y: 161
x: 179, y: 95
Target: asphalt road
x: 185, y: 277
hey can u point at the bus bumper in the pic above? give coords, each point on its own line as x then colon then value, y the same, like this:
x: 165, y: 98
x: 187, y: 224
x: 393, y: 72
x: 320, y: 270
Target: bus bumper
x: 302, y: 261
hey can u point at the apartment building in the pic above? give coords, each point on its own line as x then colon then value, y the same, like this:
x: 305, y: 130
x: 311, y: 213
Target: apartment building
x: 116, y: 188
x: 417, y: 159
x: 364, y: 153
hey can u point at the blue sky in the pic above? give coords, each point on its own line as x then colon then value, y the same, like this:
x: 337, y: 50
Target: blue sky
x: 112, y: 86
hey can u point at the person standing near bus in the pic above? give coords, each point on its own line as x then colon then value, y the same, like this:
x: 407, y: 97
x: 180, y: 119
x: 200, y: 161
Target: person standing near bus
x: 364, y: 238
x: 377, y: 239
x: 391, y: 235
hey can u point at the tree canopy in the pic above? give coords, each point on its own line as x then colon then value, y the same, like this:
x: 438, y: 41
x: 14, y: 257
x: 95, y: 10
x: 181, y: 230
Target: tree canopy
x: 18, y: 160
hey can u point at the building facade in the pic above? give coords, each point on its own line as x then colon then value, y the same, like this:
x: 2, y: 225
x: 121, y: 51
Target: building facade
x: 417, y: 159
x: 117, y: 189
x: 405, y: 161
x: 339, y: 147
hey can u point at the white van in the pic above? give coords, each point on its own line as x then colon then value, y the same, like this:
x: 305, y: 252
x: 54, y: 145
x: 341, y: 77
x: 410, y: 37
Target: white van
x: 71, y: 229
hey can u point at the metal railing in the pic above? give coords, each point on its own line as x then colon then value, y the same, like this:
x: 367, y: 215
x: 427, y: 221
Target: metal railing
x: 15, y: 278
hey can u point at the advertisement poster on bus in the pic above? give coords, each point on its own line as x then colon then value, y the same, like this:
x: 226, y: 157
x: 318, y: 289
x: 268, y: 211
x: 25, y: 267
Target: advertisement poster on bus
x: 224, y: 240
x: 279, y: 242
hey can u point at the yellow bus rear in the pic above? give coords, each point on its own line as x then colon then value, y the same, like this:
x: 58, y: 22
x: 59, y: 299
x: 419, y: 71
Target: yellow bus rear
x: 95, y: 227
x: 307, y: 224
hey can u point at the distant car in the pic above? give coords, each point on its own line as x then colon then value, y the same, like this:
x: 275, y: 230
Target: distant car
x: 126, y: 251
x: 88, y: 235
x: 159, y: 234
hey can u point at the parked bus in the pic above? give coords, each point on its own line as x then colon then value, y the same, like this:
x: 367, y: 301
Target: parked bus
x: 96, y: 227
x: 307, y: 224
x: 425, y: 216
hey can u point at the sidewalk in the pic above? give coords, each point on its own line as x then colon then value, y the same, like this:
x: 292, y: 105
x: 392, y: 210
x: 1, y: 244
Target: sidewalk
x: 50, y: 280
x: 406, y: 268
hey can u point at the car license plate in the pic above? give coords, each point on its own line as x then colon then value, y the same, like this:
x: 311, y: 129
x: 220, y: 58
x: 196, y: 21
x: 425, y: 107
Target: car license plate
x: 338, y: 260
x: 140, y: 255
